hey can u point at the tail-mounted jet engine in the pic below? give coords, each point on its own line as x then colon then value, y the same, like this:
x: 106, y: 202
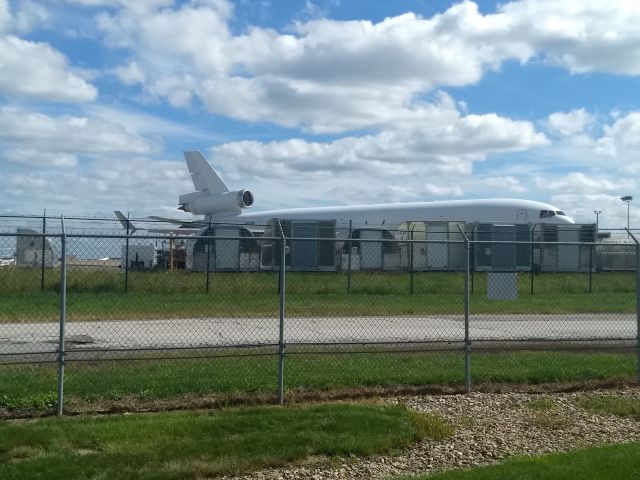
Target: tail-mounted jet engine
x: 212, y: 196
x: 203, y: 203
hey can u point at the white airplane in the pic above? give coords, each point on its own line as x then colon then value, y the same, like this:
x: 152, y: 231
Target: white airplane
x: 6, y: 262
x: 218, y: 204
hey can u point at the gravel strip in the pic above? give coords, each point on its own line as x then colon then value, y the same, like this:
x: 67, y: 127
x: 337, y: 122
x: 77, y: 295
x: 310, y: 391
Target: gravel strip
x: 489, y: 427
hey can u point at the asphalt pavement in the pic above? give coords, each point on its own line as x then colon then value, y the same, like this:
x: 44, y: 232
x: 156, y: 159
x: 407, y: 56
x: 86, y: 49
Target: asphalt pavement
x: 24, y: 339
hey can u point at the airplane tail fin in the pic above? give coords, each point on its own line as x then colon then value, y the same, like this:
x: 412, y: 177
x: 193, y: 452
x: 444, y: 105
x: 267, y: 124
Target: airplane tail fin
x: 203, y: 175
x: 125, y: 221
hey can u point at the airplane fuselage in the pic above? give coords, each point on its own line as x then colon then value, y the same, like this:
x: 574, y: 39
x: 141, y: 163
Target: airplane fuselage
x: 508, y: 211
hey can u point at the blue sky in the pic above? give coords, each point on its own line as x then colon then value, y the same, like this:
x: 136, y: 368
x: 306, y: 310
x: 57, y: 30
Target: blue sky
x: 319, y: 103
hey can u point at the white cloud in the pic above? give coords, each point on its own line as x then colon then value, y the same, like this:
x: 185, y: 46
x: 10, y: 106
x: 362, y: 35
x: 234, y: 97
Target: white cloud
x: 37, y: 70
x: 623, y: 136
x: 604, y: 158
x: 28, y: 15
x: 432, y: 159
x: 581, y: 183
x: 444, y: 147
x: 130, y: 74
x: 36, y: 138
x: 507, y: 183
x: 140, y: 123
x: 569, y: 123
x: 140, y: 5
x: 613, y: 211
x: 581, y: 36
x: 579, y: 194
x: 333, y: 76
x: 607, y: 143
x: 40, y: 158
x: 431, y: 189
x: 96, y: 3
x: 101, y: 185
x: 5, y: 16
x: 329, y: 76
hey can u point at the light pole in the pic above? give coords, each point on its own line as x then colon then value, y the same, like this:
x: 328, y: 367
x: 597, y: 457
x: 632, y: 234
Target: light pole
x: 627, y: 199
x: 597, y: 212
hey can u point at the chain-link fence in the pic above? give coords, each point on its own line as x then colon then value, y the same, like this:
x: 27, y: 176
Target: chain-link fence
x: 134, y: 309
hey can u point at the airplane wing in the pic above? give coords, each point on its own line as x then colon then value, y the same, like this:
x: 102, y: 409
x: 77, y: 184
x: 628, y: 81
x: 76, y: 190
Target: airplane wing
x: 175, y: 231
x: 185, y: 228
x: 182, y: 223
x: 199, y: 225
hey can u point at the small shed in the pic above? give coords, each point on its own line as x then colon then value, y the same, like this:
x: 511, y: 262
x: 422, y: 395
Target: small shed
x: 33, y: 250
x: 141, y: 257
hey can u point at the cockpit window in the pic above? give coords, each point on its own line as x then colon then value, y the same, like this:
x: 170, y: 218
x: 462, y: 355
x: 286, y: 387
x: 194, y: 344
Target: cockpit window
x: 549, y: 213
x: 560, y: 212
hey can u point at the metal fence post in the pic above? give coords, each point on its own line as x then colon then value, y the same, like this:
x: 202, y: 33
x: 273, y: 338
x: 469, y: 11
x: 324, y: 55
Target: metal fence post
x: 208, y: 253
x: 411, y: 260
x: 531, y: 259
x: 473, y: 262
x: 126, y: 259
x: 350, y: 243
x: 44, y: 231
x: 637, y: 304
x: 467, y: 340
x: 590, y: 268
x: 281, y: 287
x: 63, y: 315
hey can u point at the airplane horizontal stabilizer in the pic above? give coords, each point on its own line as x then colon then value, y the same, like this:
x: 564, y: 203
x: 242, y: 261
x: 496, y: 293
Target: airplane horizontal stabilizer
x: 126, y: 223
x: 182, y: 223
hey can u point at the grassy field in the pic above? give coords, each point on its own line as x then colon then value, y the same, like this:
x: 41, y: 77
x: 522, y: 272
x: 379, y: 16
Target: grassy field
x: 620, y: 406
x: 182, y: 445
x: 24, y: 387
x: 614, y: 462
x: 96, y: 294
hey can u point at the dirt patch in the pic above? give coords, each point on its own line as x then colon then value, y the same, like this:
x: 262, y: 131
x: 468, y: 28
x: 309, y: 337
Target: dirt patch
x: 207, y: 401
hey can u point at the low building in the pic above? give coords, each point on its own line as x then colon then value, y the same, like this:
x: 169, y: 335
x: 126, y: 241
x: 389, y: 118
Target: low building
x: 33, y: 250
x: 140, y: 257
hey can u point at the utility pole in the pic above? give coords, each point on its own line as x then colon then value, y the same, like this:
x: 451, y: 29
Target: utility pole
x: 597, y: 212
x: 627, y: 199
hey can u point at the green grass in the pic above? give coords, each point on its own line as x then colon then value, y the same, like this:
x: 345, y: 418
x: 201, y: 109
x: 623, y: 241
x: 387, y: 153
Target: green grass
x: 32, y: 386
x: 613, y: 462
x: 543, y: 413
x: 181, y: 445
x: 95, y: 294
x: 614, y: 405
x: 542, y: 404
x: 90, y: 280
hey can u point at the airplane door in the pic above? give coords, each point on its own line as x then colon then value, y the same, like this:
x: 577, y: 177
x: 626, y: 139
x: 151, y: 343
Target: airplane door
x: 522, y: 216
x: 371, y: 252
x: 305, y: 252
x: 227, y: 252
x: 437, y: 253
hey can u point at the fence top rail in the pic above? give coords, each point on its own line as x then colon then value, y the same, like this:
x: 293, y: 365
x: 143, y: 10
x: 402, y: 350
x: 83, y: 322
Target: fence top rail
x: 39, y: 217
x: 136, y: 236
x: 34, y: 234
x: 540, y: 242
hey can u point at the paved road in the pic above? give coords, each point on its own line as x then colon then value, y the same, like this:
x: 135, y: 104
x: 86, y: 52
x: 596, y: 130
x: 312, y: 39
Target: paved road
x: 24, y: 338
